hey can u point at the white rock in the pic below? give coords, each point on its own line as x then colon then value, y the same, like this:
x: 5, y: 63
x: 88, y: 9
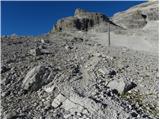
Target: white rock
x: 42, y: 41
x: 58, y: 100
x: 49, y: 89
x: 35, y: 52
x: 71, y: 106
x: 44, y: 51
x: 121, y: 86
x: 118, y: 85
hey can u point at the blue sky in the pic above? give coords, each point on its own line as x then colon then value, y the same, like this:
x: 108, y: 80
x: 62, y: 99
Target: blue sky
x: 36, y: 18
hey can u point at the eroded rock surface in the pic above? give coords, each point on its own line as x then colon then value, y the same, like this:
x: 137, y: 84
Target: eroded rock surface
x: 137, y: 16
x: 82, y: 20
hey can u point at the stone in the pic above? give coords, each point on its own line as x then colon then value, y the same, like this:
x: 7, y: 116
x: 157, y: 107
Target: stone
x: 71, y: 106
x: 35, y: 52
x: 4, y: 69
x: 10, y: 115
x: 112, y: 73
x: 121, y: 86
x: 129, y: 86
x: 118, y: 85
x: 49, y: 88
x: 134, y: 114
x: 44, y: 41
x: 42, y: 47
x: 67, y: 47
x: 44, y: 51
x: 58, y: 100
x: 37, y: 77
x: 47, y: 104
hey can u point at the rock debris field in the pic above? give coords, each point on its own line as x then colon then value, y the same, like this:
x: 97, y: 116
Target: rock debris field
x: 72, y: 75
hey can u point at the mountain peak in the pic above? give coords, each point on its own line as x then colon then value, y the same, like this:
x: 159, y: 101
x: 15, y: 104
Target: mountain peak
x: 80, y: 11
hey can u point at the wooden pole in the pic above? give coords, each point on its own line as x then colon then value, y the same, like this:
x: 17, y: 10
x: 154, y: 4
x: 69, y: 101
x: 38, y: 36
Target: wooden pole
x: 109, y: 42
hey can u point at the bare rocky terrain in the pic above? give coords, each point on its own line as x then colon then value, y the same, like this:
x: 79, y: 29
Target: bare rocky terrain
x: 72, y: 73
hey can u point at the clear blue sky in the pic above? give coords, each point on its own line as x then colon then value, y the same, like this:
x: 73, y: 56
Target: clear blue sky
x: 35, y: 18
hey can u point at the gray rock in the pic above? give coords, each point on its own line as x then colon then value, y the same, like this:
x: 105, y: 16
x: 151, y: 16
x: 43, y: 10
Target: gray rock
x: 44, y: 51
x: 121, y: 86
x: 129, y: 86
x: 10, y: 115
x: 134, y: 114
x: 118, y: 85
x: 112, y: 73
x: 58, y: 100
x: 37, y: 77
x: 44, y: 41
x: 35, y: 52
x: 4, y: 69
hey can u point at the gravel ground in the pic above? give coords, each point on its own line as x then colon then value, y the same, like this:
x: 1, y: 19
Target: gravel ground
x: 70, y: 75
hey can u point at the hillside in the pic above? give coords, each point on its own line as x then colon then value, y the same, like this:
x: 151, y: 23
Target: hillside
x: 72, y: 73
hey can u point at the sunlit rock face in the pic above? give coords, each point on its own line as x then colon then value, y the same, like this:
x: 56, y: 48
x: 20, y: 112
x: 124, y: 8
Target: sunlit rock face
x: 137, y: 16
x: 82, y: 20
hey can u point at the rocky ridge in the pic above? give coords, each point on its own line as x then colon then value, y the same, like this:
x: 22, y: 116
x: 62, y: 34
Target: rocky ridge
x: 138, y: 16
x: 82, y: 21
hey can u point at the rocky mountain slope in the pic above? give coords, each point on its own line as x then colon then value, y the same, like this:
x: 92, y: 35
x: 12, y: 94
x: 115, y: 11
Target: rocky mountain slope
x: 74, y: 74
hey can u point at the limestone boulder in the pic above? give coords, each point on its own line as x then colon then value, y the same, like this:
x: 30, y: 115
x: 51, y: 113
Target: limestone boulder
x: 37, y: 77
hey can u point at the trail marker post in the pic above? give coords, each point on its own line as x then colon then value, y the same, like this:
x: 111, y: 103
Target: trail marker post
x: 109, y: 42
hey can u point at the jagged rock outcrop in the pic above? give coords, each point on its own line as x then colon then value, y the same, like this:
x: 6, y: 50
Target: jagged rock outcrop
x: 137, y: 16
x: 82, y: 20
x: 37, y: 77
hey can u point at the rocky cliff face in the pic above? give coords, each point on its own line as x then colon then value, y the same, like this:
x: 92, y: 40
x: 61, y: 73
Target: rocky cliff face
x: 137, y: 16
x: 82, y: 20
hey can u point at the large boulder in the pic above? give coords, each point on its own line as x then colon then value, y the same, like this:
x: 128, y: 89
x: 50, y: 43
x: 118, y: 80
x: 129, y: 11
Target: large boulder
x: 37, y: 77
x: 121, y: 86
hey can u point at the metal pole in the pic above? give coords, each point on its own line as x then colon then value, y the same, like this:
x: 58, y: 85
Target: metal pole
x: 109, y: 42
